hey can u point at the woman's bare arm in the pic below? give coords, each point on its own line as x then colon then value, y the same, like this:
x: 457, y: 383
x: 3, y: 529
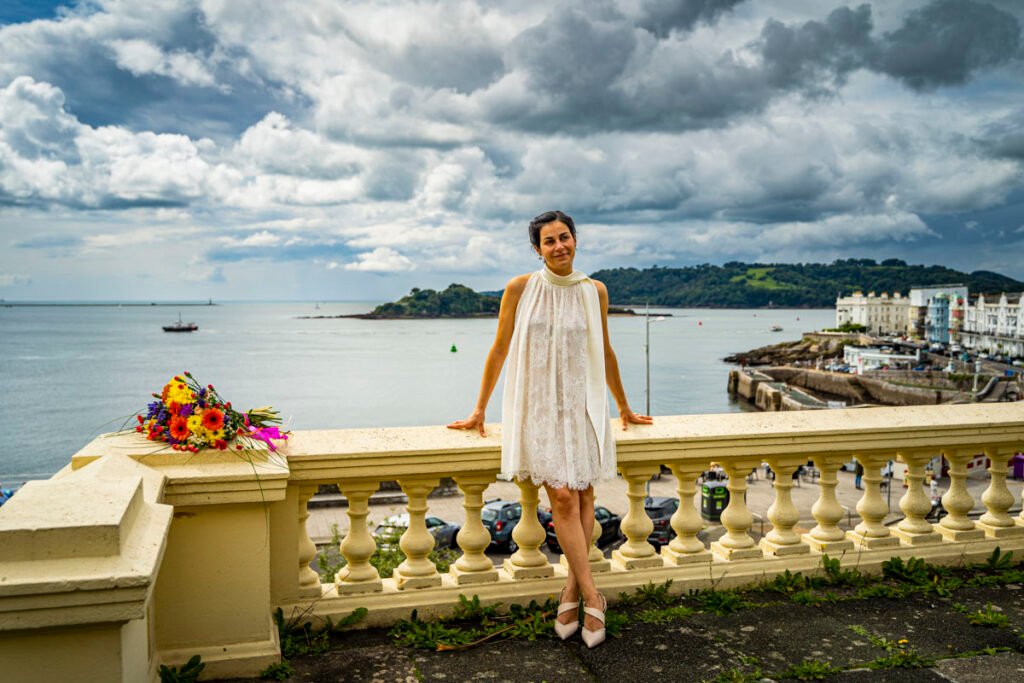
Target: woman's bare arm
x: 611, y: 367
x: 496, y: 356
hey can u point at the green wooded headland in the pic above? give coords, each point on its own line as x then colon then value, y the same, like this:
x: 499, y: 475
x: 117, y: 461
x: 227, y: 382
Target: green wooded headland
x: 733, y: 285
x: 791, y: 285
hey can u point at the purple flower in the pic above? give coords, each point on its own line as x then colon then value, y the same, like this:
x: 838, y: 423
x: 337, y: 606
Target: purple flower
x: 186, y: 410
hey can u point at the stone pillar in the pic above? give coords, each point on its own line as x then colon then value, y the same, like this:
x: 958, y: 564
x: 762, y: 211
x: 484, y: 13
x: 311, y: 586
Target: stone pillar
x: 309, y: 580
x: 417, y: 571
x: 826, y: 536
x: 737, y: 544
x: 957, y: 526
x: 871, y: 533
x: 686, y: 548
x: 996, y: 522
x: 783, y: 515
x: 915, y: 504
x: 637, y: 552
x: 358, y: 575
x: 528, y: 562
x: 474, y: 566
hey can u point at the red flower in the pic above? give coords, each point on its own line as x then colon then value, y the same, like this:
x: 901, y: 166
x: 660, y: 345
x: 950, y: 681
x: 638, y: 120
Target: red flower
x: 213, y: 419
x: 179, y: 428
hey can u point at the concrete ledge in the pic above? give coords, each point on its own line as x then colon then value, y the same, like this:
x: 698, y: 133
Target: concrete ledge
x: 234, y: 660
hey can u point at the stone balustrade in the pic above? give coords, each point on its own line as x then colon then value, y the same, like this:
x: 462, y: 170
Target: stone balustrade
x: 130, y: 558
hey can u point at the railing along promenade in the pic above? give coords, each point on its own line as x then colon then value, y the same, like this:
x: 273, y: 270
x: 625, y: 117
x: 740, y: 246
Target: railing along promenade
x: 127, y: 558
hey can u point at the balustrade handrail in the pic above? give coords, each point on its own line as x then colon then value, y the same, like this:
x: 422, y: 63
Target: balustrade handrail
x: 390, y: 453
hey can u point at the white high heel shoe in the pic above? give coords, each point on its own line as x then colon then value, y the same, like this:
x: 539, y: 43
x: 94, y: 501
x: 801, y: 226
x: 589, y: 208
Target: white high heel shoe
x: 565, y: 631
x: 595, y: 637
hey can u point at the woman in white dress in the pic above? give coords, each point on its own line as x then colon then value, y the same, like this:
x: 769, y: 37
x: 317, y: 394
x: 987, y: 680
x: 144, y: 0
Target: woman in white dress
x: 556, y: 429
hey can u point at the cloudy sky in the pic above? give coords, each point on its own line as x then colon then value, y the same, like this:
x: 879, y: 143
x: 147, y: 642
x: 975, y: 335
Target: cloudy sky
x: 313, y: 149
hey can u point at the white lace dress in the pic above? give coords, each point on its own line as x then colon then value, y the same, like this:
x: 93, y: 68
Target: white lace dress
x: 549, y: 427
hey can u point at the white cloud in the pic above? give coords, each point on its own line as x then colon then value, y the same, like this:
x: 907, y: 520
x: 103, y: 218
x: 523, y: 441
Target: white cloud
x: 381, y: 260
x: 143, y: 57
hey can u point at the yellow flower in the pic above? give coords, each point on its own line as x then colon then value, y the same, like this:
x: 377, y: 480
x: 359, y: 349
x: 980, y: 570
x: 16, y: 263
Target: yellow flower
x: 902, y: 641
x: 195, y: 424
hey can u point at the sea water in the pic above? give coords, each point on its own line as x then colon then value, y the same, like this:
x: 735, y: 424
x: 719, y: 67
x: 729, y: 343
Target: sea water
x: 69, y: 373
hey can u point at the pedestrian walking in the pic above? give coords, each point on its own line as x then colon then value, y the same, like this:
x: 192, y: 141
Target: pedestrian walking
x: 858, y: 473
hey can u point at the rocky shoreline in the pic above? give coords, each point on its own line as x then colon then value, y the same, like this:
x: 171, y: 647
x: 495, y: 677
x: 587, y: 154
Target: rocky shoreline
x: 810, y: 348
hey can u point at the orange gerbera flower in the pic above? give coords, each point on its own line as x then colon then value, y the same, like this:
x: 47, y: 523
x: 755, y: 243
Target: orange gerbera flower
x: 179, y: 428
x: 213, y: 419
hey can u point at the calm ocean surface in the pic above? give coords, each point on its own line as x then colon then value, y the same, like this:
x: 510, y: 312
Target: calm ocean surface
x: 70, y: 373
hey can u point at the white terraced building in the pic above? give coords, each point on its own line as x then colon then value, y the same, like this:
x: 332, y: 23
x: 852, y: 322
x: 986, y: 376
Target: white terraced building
x: 993, y: 325
x: 879, y: 314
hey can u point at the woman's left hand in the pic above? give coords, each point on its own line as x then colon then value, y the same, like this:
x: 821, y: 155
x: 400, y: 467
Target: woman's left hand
x: 628, y: 416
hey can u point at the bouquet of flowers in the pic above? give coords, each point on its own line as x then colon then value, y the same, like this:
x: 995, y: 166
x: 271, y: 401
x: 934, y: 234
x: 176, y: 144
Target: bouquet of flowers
x: 190, y: 416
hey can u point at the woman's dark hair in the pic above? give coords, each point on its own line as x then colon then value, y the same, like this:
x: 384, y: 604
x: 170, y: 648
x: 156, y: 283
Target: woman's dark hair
x: 549, y: 217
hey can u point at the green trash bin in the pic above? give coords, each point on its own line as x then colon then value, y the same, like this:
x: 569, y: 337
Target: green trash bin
x: 714, y: 497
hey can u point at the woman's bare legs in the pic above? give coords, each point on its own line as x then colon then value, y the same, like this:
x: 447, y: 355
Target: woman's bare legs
x: 573, y: 513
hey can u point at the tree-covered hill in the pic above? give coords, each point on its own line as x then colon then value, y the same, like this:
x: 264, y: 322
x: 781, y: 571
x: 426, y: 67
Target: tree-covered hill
x: 808, y: 285
x: 458, y: 301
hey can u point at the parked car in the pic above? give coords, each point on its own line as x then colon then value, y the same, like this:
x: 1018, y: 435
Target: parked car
x: 392, y: 528
x: 500, y: 517
x: 610, y: 529
x: 660, y: 510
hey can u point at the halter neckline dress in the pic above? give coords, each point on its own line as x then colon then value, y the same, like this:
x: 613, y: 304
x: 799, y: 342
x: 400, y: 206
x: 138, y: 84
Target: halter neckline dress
x: 556, y: 429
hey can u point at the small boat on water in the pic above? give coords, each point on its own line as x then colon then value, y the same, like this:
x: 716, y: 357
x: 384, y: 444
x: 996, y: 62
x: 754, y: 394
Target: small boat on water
x: 775, y: 328
x: 181, y: 326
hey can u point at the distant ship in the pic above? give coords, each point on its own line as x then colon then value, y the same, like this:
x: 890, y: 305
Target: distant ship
x: 180, y: 326
x: 776, y: 328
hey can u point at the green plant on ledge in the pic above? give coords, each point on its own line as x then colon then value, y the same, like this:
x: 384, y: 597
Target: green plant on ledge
x: 810, y: 670
x: 188, y: 673
x: 990, y: 617
x: 901, y: 655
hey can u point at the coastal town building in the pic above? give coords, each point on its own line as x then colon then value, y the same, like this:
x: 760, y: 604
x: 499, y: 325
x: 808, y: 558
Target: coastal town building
x: 878, y: 314
x: 921, y: 298
x: 937, y: 320
x: 992, y: 324
x: 871, y: 358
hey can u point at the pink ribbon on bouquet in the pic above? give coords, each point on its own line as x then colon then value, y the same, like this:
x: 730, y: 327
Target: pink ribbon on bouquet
x: 265, y: 434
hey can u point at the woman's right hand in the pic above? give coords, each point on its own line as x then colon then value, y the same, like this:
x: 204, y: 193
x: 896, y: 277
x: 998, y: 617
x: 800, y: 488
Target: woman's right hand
x: 475, y: 419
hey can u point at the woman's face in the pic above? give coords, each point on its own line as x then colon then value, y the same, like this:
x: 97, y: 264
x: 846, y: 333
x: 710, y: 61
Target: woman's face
x: 557, y: 246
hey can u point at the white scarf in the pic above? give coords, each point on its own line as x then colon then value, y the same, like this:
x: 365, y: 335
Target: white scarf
x: 597, y: 396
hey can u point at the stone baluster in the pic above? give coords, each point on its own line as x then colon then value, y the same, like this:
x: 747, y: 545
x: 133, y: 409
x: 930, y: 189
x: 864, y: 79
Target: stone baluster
x: 686, y: 548
x: 473, y: 538
x: 871, y: 533
x: 737, y: 544
x: 636, y: 552
x: 417, y: 571
x: 358, y: 575
x: 996, y: 522
x: 309, y: 580
x: 957, y: 526
x: 782, y: 539
x: 826, y: 536
x: 528, y: 562
x: 914, y: 529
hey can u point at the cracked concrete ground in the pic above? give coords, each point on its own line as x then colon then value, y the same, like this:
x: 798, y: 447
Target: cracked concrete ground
x: 761, y: 643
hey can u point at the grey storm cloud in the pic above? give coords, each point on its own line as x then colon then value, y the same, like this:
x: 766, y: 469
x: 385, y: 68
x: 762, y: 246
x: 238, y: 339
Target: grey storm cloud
x: 661, y: 17
x: 588, y: 74
x: 945, y: 42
